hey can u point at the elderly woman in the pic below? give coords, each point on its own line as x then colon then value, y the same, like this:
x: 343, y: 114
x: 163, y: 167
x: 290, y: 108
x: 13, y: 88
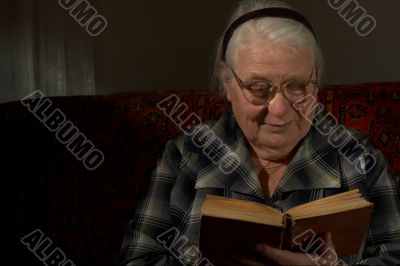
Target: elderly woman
x: 269, y: 65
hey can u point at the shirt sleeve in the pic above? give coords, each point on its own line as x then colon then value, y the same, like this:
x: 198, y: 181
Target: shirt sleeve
x: 383, y: 240
x: 153, y: 217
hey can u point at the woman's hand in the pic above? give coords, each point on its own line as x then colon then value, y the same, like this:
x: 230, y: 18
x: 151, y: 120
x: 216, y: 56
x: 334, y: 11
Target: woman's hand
x: 274, y: 256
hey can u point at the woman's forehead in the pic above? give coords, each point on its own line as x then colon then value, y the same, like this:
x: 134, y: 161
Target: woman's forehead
x: 274, y: 52
x: 276, y: 60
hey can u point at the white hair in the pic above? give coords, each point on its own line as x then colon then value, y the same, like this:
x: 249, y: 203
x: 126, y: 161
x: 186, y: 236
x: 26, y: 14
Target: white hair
x: 278, y: 30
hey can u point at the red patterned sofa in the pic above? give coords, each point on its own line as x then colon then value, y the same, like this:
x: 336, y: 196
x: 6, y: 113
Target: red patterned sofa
x: 84, y: 212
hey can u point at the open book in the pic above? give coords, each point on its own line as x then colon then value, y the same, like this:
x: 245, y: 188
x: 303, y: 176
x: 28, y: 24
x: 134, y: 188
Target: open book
x: 231, y: 224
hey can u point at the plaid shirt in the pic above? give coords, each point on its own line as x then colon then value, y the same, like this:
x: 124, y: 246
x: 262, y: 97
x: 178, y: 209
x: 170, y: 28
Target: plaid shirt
x: 185, y: 175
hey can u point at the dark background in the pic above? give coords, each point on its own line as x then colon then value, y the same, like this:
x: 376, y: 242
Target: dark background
x: 170, y: 44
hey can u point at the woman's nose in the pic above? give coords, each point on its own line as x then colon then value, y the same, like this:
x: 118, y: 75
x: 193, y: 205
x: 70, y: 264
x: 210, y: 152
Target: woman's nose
x: 278, y: 105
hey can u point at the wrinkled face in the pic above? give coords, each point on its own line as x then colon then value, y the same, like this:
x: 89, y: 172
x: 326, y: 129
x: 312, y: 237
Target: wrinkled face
x: 272, y: 130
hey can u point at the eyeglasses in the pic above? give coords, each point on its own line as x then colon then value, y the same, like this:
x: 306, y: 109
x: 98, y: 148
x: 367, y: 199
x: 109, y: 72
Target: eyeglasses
x: 260, y: 92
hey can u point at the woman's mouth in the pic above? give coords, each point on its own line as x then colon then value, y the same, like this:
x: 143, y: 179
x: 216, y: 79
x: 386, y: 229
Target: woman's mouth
x: 277, y: 127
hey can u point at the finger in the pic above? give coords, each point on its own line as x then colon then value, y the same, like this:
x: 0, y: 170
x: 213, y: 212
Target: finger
x: 328, y: 254
x: 248, y: 260
x: 326, y: 243
x: 323, y: 262
x: 284, y: 257
x: 328, y: 238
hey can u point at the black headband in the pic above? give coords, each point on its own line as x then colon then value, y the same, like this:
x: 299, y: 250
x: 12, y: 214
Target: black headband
x: 276, y: 12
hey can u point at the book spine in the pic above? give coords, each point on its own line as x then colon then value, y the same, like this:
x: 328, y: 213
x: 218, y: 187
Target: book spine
x: 286, y: 237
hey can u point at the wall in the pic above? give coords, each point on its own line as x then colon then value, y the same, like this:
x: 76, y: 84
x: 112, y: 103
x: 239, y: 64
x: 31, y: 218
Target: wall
x: 169, y: 44
x: 351, y: 58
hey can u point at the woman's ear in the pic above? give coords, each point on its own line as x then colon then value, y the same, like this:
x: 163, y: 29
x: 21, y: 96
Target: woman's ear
x: 225, y: 77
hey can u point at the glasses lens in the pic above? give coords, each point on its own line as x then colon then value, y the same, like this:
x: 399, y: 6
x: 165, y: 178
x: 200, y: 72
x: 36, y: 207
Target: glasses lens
x: 296, y: 92
x: 258, y: 92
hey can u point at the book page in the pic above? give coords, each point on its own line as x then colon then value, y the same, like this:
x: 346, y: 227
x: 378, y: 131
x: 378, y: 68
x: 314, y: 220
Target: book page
x: 345, y: 216
x: 337, y: 203
x: 242, y: 210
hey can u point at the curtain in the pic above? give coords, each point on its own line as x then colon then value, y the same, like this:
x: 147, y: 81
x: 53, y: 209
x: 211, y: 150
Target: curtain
x: 43, y: 48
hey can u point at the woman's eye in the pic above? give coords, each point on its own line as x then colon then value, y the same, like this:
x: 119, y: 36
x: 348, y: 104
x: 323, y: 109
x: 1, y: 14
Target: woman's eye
x: 259, y: 86
x: 295, y: 87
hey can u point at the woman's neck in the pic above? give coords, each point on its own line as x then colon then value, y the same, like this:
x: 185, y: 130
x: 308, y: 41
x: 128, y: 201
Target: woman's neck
x: 271, y: 167
x: 269, y: 173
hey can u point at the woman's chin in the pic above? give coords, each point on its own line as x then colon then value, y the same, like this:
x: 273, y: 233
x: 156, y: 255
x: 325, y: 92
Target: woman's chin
x: 274, y: 143
x: 272, y: 151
